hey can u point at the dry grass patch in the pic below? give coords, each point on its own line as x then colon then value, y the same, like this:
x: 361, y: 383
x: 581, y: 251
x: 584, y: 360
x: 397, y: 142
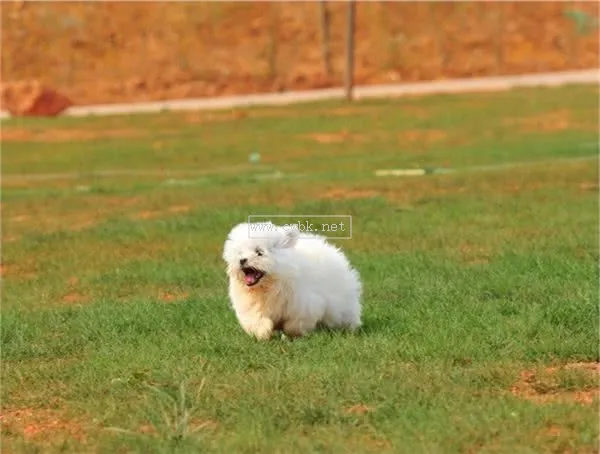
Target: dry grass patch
x: 42, y: 425
x: 349, y: 193
x: 553, y: 121
x: 571, y: 383
x: 336, y: 137
x: 153, y: 214
x: 67, y: 135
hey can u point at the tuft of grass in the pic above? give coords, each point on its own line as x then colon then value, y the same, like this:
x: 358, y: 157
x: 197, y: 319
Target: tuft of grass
x: 170, y: 413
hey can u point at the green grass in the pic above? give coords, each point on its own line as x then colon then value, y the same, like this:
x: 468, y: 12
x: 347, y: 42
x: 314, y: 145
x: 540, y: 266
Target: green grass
x: 117, y: 334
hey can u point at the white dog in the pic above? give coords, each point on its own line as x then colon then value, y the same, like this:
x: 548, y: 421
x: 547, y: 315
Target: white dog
x: 281, y: 280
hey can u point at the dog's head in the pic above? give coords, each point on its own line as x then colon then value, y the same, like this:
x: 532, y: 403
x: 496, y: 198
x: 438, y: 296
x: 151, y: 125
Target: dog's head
x: 255, y: 250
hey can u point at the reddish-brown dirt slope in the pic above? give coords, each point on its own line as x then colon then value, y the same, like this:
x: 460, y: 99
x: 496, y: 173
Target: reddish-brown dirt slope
x: 97, y: 52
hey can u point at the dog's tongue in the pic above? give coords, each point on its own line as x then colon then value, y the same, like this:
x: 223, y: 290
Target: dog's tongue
x: 250, y: 278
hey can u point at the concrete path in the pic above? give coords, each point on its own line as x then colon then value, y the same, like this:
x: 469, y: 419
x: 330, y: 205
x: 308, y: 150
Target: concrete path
x: 361, y: 92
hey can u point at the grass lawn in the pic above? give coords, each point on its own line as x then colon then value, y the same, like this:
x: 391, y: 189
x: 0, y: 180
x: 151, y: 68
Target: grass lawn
x: 480, y: 307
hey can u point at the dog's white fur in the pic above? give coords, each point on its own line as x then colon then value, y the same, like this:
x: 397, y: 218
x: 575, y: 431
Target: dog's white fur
x: 306, y: 282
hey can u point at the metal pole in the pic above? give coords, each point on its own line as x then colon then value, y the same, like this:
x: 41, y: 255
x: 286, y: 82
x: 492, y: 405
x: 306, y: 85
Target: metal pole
x: 350, y: 26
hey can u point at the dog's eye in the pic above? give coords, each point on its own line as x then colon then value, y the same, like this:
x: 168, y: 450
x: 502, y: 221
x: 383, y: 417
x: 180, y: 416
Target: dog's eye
x: 259, y: 252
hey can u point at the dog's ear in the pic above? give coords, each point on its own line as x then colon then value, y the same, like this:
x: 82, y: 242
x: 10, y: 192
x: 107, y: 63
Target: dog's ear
x: 288, y: 238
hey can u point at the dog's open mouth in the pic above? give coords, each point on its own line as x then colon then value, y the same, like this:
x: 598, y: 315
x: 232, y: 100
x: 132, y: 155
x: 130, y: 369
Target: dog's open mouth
x: 252, y: 276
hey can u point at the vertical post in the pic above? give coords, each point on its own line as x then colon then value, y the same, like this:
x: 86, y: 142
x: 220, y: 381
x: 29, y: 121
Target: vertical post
x: 350, y: 26
x: 273, y: 44
x: 325, y: 21
x: 438, y: 35
x: 499, y: 44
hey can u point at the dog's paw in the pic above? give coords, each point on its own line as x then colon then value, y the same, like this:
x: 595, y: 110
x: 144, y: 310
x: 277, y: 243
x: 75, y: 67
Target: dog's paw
x: 263, y: 335
x: 264, y: 330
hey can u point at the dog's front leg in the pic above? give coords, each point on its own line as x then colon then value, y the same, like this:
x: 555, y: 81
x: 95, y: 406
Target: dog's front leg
x: 258, y: 326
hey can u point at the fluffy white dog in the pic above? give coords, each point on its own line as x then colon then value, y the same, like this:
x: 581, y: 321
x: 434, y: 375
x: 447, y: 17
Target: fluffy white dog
x: 281, y: 280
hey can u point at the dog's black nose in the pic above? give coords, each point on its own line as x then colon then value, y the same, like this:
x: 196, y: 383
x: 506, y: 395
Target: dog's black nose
x: 243, y: 261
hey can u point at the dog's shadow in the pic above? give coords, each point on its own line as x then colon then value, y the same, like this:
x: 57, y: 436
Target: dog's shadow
x: 369, y: 326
